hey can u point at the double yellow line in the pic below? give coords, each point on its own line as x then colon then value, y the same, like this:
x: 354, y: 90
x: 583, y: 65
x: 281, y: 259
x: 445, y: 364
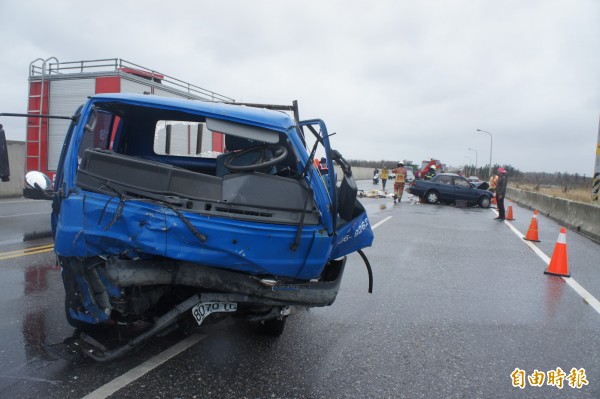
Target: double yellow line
x: 27, y: 251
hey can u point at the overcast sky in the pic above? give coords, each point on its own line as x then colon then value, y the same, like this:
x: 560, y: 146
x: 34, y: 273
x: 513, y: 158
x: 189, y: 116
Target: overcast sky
x: 396, y: 80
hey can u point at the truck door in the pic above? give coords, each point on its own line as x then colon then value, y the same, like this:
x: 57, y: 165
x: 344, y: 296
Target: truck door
x: 59, y: 178
x: 347, y: 218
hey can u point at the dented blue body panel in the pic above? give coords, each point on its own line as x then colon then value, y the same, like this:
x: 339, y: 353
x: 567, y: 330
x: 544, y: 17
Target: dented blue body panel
x: 88, y: 227
x: 133, y: 222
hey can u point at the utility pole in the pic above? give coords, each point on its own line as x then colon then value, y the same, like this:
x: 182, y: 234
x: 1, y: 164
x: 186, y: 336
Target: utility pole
x: 475, y: 151
x: 491, y: 144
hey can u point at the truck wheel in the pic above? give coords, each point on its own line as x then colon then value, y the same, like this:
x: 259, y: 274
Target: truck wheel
x: 484, y: 202
x: 272, y: 327
x: 432, y: 197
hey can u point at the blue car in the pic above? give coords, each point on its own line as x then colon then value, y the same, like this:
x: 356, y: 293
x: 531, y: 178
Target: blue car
x: 167, y: 209
x: 449, y: 188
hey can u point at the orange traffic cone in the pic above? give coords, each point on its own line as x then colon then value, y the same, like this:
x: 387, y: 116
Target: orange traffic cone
x: 532, y: 233
x: 494, y: 200
x: 509, y: 215
x: 559, y: 264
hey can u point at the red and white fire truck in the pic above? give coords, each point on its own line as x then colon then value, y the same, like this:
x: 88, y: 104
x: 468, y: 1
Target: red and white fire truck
x: 58, y: 88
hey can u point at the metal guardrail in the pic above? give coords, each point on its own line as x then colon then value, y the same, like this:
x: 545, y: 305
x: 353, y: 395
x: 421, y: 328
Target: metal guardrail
x: 160, y: 80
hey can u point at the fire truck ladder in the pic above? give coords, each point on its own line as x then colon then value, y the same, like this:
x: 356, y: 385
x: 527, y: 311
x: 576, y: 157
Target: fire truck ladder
x: 37, y: 142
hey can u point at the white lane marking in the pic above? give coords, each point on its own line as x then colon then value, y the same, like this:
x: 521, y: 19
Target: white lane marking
x: 530, y: 244
x: 376, y: 225
x: 589, y: 298
x: 582, y: 292
x: 122, y: 381
x: 113, y: 386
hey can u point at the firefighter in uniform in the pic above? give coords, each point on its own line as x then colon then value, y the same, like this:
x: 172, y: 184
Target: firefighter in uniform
x: 400, y: 172
x: 430, y: 173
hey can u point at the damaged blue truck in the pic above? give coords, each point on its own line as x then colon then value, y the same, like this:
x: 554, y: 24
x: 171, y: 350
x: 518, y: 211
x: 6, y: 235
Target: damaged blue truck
x: 148, y: 237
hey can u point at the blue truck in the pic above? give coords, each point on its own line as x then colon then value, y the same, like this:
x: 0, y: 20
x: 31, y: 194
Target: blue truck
x: 146, y: 235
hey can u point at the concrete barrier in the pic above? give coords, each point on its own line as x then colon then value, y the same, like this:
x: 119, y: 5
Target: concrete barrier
x: 16, y: 161
x: 357, y: 172
x: 584, y: 218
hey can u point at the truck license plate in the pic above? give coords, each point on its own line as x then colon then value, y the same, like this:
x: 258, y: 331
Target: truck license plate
x: 203, y: 309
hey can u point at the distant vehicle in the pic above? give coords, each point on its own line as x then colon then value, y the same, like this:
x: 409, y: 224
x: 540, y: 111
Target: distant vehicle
x: 449, y: 188
x: 410, y: 176
x: 473, y: 179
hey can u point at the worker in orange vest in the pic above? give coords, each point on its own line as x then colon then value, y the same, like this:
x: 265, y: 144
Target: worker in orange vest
x: 493, y: 183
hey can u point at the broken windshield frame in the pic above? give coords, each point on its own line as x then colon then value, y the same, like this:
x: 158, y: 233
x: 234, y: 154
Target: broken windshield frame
x: 322, y: 137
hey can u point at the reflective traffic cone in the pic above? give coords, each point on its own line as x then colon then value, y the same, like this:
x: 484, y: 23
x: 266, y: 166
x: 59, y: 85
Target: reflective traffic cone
x: 509, y: 214
x: 494, y: 200
x: 559, y: 264
x: 532, y: 233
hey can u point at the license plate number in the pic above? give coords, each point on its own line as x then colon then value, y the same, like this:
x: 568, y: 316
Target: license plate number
x: 203, y: 309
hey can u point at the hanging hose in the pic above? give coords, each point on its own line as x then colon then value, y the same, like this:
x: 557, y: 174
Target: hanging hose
x: 362, y: 254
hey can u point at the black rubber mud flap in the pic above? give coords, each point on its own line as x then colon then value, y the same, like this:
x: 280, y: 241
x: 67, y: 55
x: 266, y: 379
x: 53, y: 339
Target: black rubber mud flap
x: 369, y: 271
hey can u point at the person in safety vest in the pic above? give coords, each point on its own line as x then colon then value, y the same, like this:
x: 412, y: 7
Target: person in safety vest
x: 323, y: 166
x: 400, y: 172
x: 384, y: 177
x: 493, y: 183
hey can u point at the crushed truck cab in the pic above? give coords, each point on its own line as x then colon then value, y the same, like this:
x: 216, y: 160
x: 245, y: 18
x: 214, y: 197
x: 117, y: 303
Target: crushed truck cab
x: 152, y: 225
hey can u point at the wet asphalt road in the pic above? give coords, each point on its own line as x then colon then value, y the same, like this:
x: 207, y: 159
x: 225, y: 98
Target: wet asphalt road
x: 459, y: 302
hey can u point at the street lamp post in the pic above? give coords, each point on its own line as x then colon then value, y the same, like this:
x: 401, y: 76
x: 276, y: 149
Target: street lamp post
x: 491, y: 143
x: 475, y: 151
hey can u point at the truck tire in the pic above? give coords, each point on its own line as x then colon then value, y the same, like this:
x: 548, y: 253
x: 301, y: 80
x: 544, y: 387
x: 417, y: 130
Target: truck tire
x: 432, y: 197
x: 273, y: 328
